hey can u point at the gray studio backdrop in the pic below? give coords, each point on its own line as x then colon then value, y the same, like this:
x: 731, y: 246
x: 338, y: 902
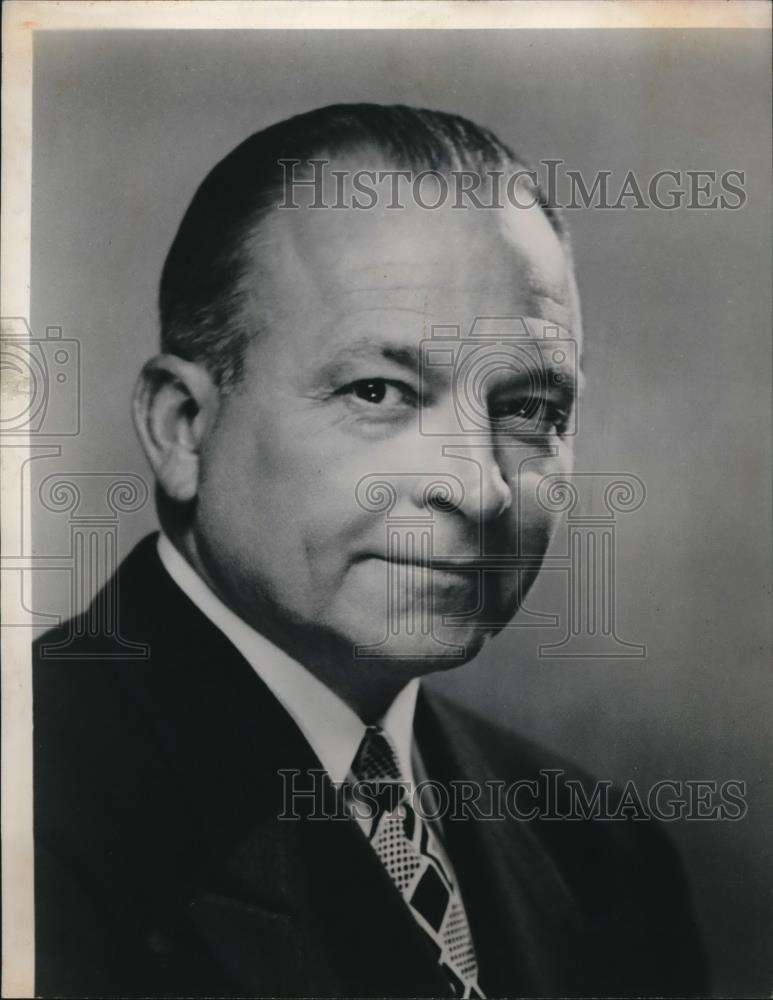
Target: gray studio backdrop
x: 677, y: 318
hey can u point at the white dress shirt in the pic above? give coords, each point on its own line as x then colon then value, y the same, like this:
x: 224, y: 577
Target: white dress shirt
x: 333, y: 730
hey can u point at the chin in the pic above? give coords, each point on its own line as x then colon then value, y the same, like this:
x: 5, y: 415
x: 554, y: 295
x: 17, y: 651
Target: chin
x: 420, y: 647
x: 432, y: 632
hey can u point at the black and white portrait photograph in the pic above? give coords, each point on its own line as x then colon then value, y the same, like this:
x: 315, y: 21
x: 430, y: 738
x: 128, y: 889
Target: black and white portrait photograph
x: 386, y: 504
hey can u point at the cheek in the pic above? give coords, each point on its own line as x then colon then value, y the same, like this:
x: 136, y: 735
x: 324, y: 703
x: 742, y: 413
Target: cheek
x: 534, y: 516
x: 535, y: 529
x: 282, y: 497
x: 239, y: 505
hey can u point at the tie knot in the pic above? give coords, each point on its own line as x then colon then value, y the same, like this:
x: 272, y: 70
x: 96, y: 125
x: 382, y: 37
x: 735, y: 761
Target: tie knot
x: 376, y: 759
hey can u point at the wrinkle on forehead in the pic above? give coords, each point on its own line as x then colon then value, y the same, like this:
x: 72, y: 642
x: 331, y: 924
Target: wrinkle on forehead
x: 413, y: 259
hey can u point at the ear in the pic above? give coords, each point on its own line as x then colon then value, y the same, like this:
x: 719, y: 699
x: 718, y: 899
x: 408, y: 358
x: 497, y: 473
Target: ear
x: 175, y: 403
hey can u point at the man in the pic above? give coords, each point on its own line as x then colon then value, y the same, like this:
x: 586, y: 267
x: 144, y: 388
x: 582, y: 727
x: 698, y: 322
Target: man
x: 181, y: 847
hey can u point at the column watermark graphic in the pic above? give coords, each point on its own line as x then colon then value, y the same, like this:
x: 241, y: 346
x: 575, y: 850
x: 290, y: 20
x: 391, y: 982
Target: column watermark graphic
x: 42, y: 411
x: 408, y: 547
x: 590, y: 561
x: 93, y: 502
x: 513, y: 384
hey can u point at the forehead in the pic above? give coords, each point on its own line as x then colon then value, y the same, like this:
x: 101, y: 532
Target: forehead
x: 325, y: 272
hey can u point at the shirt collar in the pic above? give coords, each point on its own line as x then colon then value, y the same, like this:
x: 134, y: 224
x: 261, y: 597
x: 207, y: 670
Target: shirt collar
x: 333, y: 730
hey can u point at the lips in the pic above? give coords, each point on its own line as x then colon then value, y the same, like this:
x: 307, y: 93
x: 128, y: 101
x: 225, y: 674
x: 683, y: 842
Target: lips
x: 448, y: 565
x: 450, y: 574
x: 467, y: 564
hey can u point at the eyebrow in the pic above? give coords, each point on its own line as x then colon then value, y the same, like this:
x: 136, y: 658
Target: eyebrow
x: 404, y: 355
x: 408, y: 356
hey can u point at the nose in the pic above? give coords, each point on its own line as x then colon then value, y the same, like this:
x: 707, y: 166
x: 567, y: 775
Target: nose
x: 482, y: 493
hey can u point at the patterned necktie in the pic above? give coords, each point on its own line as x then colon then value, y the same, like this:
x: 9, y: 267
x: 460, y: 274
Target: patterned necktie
x: 408, y: 850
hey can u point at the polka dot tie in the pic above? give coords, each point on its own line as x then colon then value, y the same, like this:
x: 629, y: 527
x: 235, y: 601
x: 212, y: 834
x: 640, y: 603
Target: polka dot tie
x: 409, y: 851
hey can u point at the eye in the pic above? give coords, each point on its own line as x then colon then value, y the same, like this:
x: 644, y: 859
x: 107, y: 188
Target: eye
x: 529, y: 414
x: 380, y: 392
x: 371, y: 391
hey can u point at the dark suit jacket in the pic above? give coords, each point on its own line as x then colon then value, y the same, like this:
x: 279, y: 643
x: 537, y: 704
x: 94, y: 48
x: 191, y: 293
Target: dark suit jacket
x: 163, y: 870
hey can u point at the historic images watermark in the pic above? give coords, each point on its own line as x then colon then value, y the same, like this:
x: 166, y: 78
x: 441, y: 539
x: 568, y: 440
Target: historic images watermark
x: 316, y: 184
x: 551, y: 795
x: 42, y: 404
x: 514, y: 385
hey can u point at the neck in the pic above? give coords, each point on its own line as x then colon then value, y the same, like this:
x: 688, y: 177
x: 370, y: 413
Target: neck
x: 367, y: 686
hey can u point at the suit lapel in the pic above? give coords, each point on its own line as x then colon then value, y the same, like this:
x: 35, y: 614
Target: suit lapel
x: 518, y: 906
x: 284, y: 905
x: 339, y: 925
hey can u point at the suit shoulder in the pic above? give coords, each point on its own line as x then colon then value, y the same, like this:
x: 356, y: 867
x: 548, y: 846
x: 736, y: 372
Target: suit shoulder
x: 586, y: 818
x: 505, y: 748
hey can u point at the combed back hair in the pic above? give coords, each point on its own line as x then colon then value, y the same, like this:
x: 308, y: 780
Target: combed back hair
x: 204, y: 295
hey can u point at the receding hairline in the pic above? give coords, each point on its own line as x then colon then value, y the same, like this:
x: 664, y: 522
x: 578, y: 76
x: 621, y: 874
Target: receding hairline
x: 202, y: 294
x: 278, y: 250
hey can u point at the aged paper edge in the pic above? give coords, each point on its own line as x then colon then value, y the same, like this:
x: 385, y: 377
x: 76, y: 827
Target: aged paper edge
x: 20, y: 20
x: 374, y: 14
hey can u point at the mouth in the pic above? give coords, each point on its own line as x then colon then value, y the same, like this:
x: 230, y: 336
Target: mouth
x: 466, y: 564
x: 459, y: 572
x: 455, y: 564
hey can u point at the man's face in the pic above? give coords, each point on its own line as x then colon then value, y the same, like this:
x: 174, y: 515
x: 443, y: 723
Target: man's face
x: 334, y: 400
